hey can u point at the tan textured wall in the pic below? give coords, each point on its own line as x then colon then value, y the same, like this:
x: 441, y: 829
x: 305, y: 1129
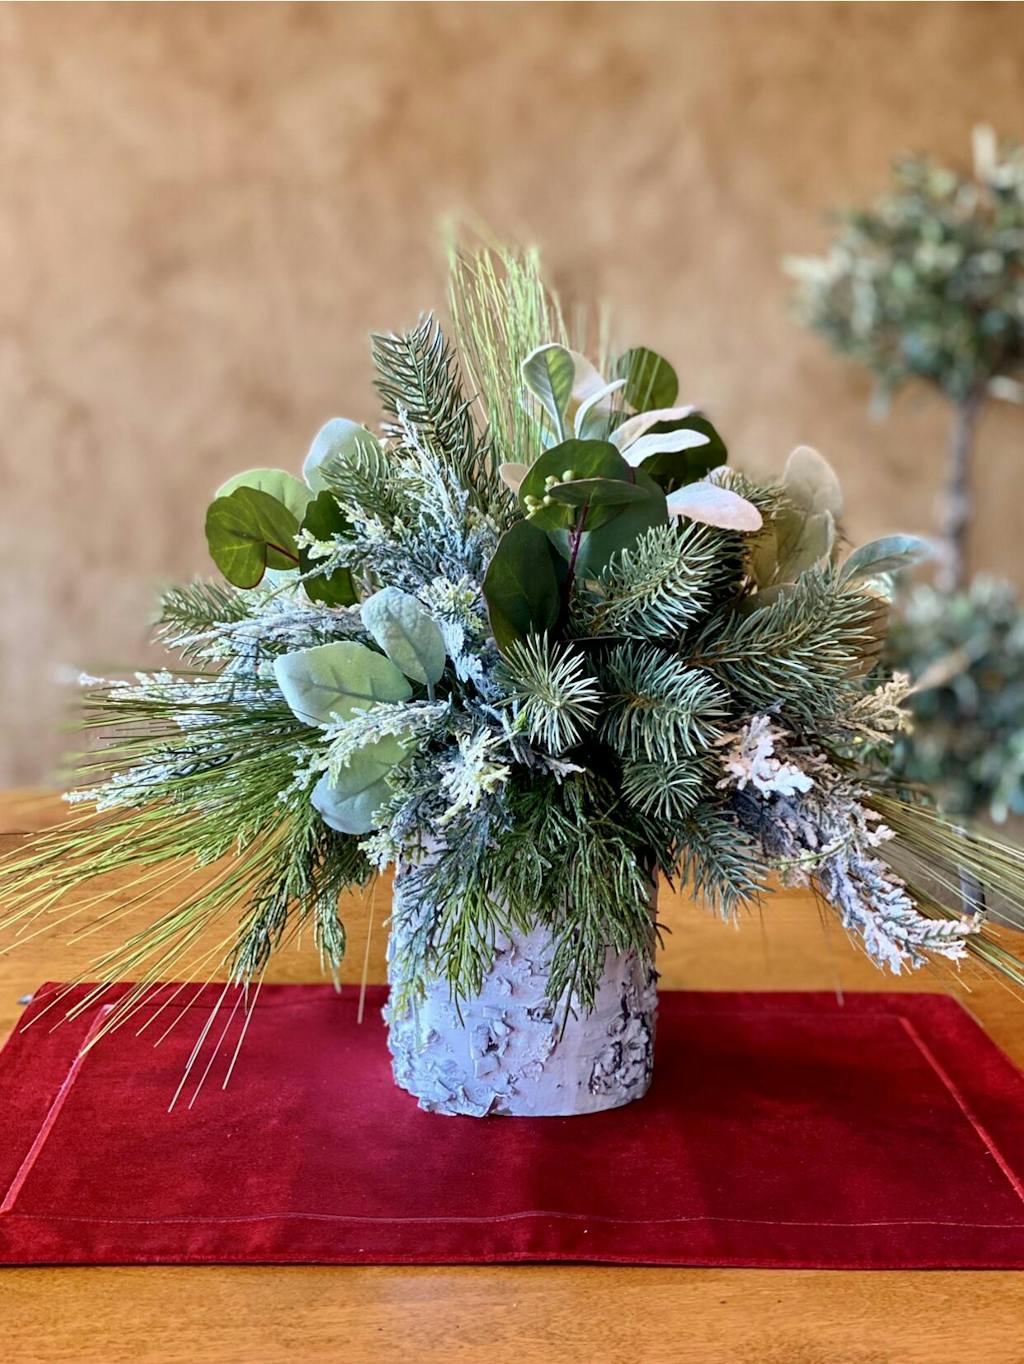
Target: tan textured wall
x: 204, y: 210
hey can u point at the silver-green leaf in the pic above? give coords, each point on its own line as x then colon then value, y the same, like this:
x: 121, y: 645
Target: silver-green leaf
x: 332, y: 681
x: 887, y: 555
x: 349, y: 801
x: 409, y: 637
x: 549, y: 373
x: 811, y: 483
x: 339, y: 439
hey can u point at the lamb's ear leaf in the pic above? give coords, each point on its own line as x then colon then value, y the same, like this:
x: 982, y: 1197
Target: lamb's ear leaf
x: 512, y: 475
x: 349, y: 801
x: 663, y: 443
x: 801, y: 541
x: 712, y: 505
x: 521, y: 585
x: 549, y: 373
x: 332, y: 681
x: 650, y: 379
x: 325, y: 519
x: 337, y: 440
x: 888, y: 555
x: 811, y: 484
x: 248, y: 532
x: 673, y: 469
x: 288, y: 489
x: 410, y: 638
x: 594, y: 417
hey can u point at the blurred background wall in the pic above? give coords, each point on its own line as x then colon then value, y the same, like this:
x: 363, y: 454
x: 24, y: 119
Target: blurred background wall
x: 205, y: 208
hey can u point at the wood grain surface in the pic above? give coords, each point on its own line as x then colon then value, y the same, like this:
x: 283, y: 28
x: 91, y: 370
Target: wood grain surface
x: 525, y: 1313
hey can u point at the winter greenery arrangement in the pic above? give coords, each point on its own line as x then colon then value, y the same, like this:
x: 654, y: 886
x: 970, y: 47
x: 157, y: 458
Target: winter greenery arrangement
x: 535, y: 645
x: 928, y: 283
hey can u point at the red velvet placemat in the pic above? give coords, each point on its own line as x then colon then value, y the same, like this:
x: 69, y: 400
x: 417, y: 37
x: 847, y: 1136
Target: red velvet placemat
x: 781, y: 1130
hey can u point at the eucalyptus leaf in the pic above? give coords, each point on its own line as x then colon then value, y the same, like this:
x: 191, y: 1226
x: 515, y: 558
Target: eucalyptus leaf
x: 599, y: 492
x: 549, y: 373
x: 583, y: 459
x: 349, y: 801
x: 332, y: 681
x: 521, y: 585
x: 409, y: 637
x: 888, y: 555
x: 338, y: 440
x: 650, y: 379
x: 597, y: 547
x: 248, y: 532
x: 324, y: 519
x: 286, y: 488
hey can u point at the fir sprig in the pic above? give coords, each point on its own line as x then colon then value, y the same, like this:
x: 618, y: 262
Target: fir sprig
x: 659, y: 708
x: 554, y: 695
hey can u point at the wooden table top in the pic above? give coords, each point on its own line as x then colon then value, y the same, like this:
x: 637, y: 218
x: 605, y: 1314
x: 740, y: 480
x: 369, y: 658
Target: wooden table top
x: 526, y: 1313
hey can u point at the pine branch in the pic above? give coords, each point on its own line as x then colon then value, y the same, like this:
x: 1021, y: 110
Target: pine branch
x: 719, y: 861
x: 421, y: 386
x: 667, y: 792
x: 554, y: 696
x: 661, y: 585
x: 802, y: 651
x: 188, y: 614
x: 660, y: 710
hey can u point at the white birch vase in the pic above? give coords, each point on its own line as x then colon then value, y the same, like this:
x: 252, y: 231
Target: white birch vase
x: 506, y: 1051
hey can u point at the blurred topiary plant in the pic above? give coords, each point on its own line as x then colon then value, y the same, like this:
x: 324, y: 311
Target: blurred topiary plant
x: 928, y: 283
x: 966, y: 651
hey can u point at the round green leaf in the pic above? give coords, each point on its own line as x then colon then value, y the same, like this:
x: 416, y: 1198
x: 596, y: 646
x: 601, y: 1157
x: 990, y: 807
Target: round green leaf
x: 597, y: 492
x: 409, y: 637
x: 597, y: 546
x: 324, y: 519
x: 339, y: 439
x: 349, y: 801
x: 248, y: 532
x: 650, y: 379
x: 521, y: 585
x: 288, y: 489
x: 583, y: 458
x: 332, y: 681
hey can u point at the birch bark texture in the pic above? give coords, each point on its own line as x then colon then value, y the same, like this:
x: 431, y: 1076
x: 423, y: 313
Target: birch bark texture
x: 509, y: 1051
